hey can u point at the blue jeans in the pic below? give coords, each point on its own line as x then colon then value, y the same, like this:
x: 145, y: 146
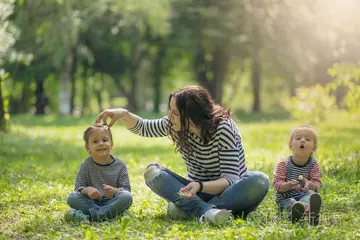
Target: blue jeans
x: 100, y: 210
x: 287, y: 203
x: 242, y: 197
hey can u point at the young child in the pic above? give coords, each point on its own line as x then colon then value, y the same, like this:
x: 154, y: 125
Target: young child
x: 297, y: 177
x: 102, y: 188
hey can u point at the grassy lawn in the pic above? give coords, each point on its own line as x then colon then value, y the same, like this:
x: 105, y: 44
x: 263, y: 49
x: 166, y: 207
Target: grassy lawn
x: 40, y: 157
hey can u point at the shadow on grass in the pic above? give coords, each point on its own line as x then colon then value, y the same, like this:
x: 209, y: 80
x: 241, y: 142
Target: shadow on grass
x: 51, y: 120
x: 39, y: 158
x: 63, y: 121
x: 20, y: 147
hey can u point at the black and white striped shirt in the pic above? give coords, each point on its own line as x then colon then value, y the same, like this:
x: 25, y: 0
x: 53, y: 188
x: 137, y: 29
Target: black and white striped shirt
x: 222, y: 157
x: 91, y: 174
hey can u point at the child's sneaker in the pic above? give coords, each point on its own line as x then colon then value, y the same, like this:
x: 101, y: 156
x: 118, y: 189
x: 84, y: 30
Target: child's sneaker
x: 76, y: 215
x: 297, y: 212
x: 314, y: 209
x: 174, y: 212
x: 216, y: 216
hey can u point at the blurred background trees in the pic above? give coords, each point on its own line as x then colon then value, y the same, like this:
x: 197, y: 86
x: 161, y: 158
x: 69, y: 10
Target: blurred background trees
x: 78, y: 57
x: 7, y: 39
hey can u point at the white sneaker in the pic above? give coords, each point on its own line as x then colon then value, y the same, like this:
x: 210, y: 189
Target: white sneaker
x: 151, y: 172
x: 216, y: 216
x: 174, y: 212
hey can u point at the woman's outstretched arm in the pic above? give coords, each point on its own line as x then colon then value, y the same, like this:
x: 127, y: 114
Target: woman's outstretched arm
x: 137, y: 125
x: 127, y: 118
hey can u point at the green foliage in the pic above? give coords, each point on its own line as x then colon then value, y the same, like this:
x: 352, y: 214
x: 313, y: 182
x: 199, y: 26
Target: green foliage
x: 200, y: 41
x: 347, y: 75
x: 7, y: 29
x: 353, y: 98
x: 7, y: 39
x: 4, y: 104
x: 311, y: 104
x: 41, y: 156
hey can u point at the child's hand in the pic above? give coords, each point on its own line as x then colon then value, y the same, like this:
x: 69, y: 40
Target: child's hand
x: 306, y: 185
x: 93, y: 193
x: 109, y: 191
x: 294, y: 185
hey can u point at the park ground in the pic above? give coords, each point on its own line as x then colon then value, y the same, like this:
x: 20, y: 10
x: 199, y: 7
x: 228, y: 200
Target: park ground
x: 39, y: 159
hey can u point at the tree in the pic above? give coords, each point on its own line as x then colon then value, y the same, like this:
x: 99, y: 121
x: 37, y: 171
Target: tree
x: 7, y: 39
x: 211, y: 29
x: 122, y: 39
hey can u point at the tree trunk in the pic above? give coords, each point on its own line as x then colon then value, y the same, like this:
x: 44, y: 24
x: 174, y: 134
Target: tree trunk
x: 340, y: 94
x: 73, y: 84
x: 98, y: 92
x: 211, y: 73
x: 158, y: 71
x: 256, y: 72
x: 234, y: 90
x: 85, y: 96
x: 23, y: 105
x: 2, y: 110
x: 219, y: 68
x: 64, y: 96
x: 41, y: 98
x: 201, y: 69
x: 134, y: 67
x: 256, y: 67
x: 292, y: 85
x: 133, y: 105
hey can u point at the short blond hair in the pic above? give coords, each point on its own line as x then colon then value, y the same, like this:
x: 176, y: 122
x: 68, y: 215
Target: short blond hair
x: 313, y: 133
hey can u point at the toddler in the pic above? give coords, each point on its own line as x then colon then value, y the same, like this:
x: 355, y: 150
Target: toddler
x: 102, y: 188
x: 297, y: 177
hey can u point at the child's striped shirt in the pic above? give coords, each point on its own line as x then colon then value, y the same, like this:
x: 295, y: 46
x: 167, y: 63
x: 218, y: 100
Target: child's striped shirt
x: 286, y: 170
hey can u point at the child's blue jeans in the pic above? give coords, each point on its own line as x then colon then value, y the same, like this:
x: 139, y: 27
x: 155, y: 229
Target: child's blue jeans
x: 242, y: 197
x: 100, y: 210
x: 287, y: 203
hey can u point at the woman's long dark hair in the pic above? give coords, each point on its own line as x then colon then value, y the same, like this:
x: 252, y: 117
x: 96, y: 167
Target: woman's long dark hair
x: 195, y: 102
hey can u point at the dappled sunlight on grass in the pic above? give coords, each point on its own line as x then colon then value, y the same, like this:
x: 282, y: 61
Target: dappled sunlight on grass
x: 41, y: 156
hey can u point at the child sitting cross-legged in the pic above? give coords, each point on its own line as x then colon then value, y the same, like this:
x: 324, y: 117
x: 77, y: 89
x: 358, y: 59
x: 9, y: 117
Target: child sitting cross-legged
x: 297, y: 177
x: 102, y: 188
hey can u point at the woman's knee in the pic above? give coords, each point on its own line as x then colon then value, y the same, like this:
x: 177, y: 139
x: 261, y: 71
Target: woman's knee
x: 262, y: 181
x: 151, y: 172
x: 256, y: 186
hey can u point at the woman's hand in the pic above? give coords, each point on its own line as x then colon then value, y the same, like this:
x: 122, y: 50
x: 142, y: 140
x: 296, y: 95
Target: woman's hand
x: 190, y: 190
x: 114, y: 114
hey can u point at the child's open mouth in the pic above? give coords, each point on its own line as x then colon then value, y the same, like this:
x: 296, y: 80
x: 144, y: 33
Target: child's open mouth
x: 302, y: 146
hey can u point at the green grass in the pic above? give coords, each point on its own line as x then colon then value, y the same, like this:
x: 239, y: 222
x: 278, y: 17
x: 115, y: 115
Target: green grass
x: 40, y: 157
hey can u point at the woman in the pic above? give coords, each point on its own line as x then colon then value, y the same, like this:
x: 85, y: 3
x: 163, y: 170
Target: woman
x: 210, y: 144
